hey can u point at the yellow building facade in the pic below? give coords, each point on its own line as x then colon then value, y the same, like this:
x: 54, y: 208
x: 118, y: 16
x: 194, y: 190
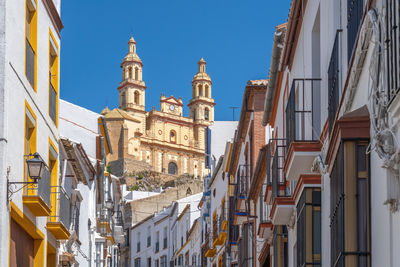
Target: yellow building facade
x: 164, y: 139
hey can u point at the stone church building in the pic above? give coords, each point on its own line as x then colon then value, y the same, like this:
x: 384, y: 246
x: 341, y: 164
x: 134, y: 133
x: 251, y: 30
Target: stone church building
x: 164, y: 139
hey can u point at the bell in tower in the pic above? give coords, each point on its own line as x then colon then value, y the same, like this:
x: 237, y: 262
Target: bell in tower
x: 132, y: 87
x: 202, y: 104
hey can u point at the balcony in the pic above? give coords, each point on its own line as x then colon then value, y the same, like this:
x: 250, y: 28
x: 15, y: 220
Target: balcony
x: 268, y: 187
x: 279, y: 185
x: 240, y: 194
x: 282, y: 212
x: 118, y: 227
x: 281, y: 190
x: 265, y: 226
x: 303, y: 127
x: 59, y: 221
x: 209, y: 252
x: 110, y: 235
x: 37, y: 196
x: 103, y: 223
x: 223, y: 225
x: 265, y: 229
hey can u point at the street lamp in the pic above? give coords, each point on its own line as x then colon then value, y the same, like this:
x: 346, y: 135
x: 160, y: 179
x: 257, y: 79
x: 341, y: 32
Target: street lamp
x: 35, y: 167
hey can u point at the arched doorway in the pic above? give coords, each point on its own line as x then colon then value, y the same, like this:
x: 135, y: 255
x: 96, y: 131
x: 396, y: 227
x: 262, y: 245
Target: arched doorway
x: 172, y: 168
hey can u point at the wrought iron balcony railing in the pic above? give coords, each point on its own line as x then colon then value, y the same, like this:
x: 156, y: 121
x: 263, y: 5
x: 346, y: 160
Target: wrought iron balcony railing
x: 303, y: 111
x: 241, y: 186
x: 118, y: 218
x: 61, y: 213
x: 215, y: 229
x: 278, y: 178
x: 104, y: 219
x: 264, y: 208
x: 41, y: 189
x: 269, y: 179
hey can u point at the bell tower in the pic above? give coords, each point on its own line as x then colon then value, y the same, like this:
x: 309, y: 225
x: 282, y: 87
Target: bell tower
x: 201, y: 105
x: 132, y: 87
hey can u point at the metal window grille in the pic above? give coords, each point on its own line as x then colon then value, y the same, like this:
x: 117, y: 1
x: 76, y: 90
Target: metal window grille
x: 337, y: 211
x: 233, y: 230
x: 338, y: 199
x: 303, y: 111
x: 392, y: 20
x: 30, y: 63
x: 333, y: 83
x: 118, y: 218
x: 75, y: 219
x: 355, y: 10
x: 304, y: 218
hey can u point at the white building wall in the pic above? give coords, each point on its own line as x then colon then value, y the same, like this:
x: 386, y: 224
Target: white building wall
x: 14, y: 91
x: 80, y: 125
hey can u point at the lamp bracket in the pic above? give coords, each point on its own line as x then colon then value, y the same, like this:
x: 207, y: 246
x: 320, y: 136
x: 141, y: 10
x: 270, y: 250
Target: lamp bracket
x: 11, y: 186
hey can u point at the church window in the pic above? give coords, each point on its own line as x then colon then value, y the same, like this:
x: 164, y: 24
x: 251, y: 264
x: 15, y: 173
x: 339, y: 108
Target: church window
x: 130, y: 72
x: 206, y: 114
x: 136, y: 74
x: 172, y: 168
x: 200, y: 90
x: 136, y: 97
x: 207, y: 91
x: 123, y: 100
x: 172, y: 136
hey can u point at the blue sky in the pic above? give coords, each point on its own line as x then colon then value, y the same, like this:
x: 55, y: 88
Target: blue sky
x: 234, y: 37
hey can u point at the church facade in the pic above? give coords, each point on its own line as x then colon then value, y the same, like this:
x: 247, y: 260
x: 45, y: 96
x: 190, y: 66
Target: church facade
x: 164, y: 138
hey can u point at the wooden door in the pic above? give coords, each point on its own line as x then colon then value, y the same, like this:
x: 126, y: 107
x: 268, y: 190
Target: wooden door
x: 21, y: 247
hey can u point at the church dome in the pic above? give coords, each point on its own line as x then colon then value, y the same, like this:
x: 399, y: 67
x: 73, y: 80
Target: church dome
x: 201, y: 74
x: 132, y: 56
